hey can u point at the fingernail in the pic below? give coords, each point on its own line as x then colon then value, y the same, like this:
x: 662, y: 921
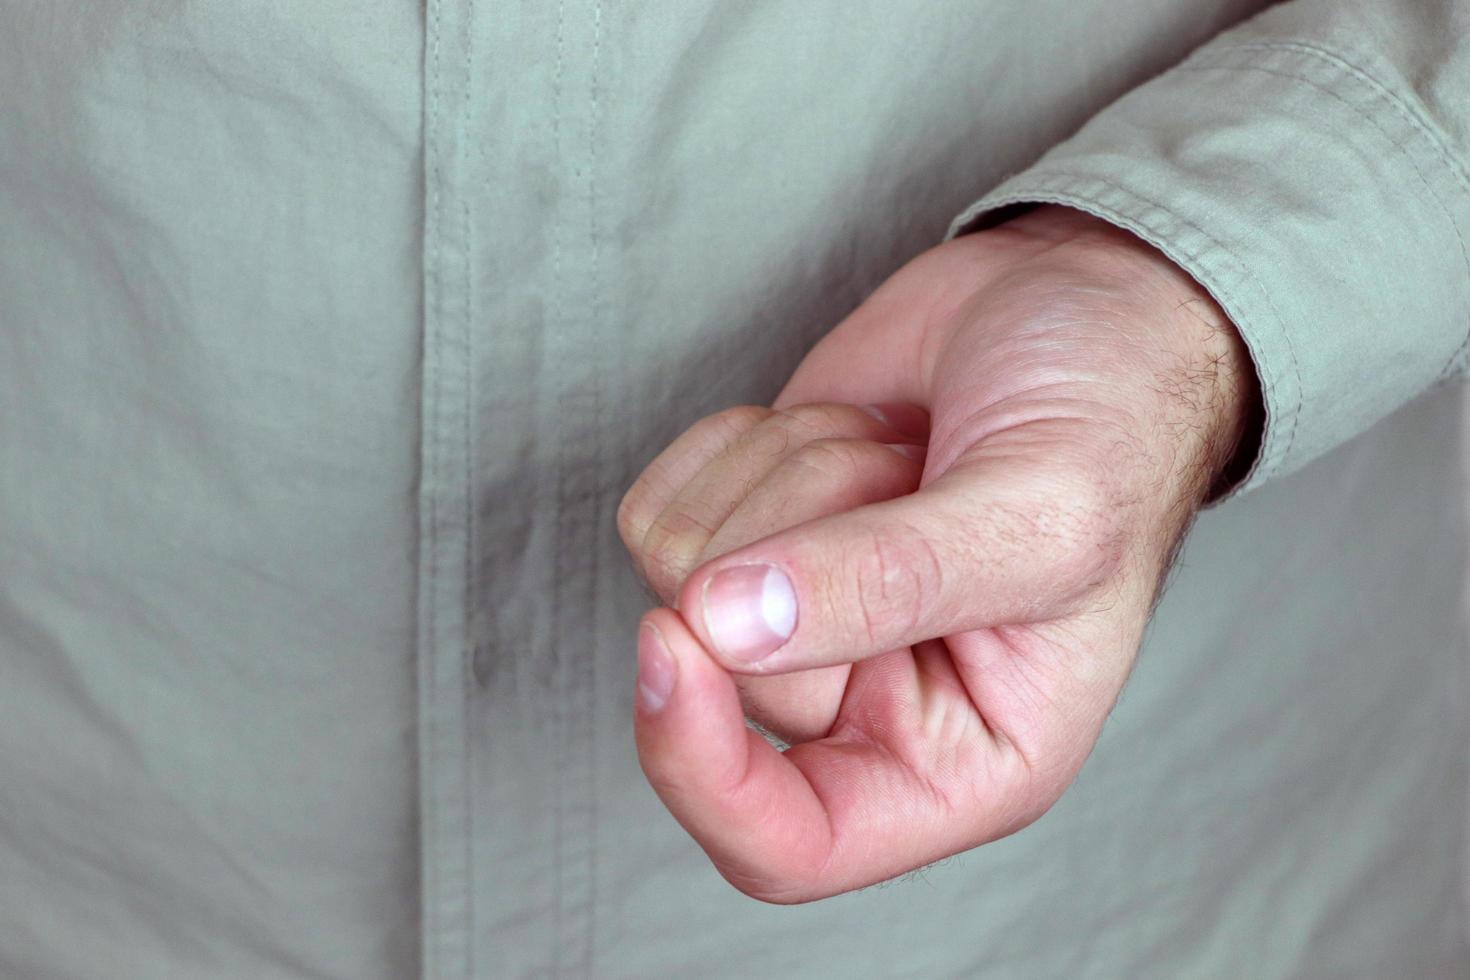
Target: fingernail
x: 655, y: 670
x: 903, y: 449
x: 910, y: 420
x: 749, y: 610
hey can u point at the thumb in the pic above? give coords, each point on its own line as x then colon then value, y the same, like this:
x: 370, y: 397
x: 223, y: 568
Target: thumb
x: 993, y: 541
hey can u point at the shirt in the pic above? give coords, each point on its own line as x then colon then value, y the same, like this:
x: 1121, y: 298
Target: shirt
x: 332, y: 332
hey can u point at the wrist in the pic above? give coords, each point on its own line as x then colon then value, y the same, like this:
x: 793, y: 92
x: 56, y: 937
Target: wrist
x: 1206, y: 393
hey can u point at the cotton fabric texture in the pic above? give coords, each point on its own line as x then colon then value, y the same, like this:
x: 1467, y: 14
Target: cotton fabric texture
x: 332, y: 332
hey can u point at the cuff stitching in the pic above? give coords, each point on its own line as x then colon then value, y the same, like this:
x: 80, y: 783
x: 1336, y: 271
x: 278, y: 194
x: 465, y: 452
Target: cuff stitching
x: 1446, y: 156
x: 1415, y: 125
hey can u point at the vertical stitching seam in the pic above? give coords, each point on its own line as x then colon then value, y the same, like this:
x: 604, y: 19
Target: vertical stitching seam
x: 467, y: 645
x: 428, y: 730
x: 598, y: 399
x: 557, y: 593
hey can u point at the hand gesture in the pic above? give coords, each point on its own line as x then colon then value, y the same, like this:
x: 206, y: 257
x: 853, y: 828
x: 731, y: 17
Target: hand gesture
x: 928, y: 566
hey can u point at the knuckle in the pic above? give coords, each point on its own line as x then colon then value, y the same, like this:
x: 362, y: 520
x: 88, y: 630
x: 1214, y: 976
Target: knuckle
x: 830, y: 460
x: 893, y: 574
x: 786, y: 431
x: 771, y: 889
x: 1084, y: 529
x: 735, y: 420
x: 1091, y: 525
x: 809, y: 421
x: 629, y: 518
x: 638, y: 510
x: 671, y: 549
x: 660, y: 778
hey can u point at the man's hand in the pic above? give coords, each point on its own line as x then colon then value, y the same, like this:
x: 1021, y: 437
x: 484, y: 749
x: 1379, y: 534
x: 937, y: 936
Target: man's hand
x: 937, y: 598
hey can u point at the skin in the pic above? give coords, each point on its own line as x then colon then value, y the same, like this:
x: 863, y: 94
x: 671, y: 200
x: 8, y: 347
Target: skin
x: 969, y: 607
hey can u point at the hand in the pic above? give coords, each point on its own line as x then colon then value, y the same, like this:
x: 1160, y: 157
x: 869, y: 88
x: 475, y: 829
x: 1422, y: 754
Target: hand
x: 937, y: 602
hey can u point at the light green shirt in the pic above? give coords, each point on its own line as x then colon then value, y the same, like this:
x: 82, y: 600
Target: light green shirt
x: 332, y: 332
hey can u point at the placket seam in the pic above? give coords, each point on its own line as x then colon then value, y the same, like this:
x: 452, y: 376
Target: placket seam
x: 445, y: 509
x: 579, y: 495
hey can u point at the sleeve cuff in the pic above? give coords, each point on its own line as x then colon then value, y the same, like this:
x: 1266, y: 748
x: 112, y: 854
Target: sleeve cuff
x: 1316, y: 208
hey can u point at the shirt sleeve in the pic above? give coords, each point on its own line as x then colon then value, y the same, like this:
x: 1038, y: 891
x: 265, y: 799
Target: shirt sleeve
x: 1308, y: 169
